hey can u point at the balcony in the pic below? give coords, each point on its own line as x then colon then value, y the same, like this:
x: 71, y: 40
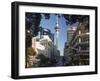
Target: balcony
x: 80, y: 44
x: 84, y: 35
x: 83, y: 51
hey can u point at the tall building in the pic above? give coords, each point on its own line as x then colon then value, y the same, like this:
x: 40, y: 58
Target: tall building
x: 78, y: 46
x: 44, y: 44
x: 45, y: 31
x: 70, y: 32
x: 57, y: 28
x: 47, y: 43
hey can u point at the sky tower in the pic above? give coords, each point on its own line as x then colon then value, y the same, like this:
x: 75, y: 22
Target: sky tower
x: 57, y: 28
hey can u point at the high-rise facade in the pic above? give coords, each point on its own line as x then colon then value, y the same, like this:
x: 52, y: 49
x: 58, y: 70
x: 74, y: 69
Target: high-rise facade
x: 45, y: 31
x: 80, y: 44
x: 77, y: 46
x: 57, y: 28
x: 70, y: 32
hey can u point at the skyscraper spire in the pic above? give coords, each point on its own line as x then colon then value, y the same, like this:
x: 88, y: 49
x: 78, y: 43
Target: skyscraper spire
x: 57, y: 28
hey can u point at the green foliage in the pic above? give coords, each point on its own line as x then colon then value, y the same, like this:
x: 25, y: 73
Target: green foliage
x: 31, y: 52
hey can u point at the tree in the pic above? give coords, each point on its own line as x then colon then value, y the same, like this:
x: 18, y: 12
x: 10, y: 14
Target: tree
x: 30, y: 54
x: 70, y: 19
x: 31, y: 51
x: 47, y: 16
x: 33, y: 22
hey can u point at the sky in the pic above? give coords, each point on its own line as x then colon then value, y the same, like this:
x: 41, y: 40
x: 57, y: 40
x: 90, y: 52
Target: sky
x: 50, y: 24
